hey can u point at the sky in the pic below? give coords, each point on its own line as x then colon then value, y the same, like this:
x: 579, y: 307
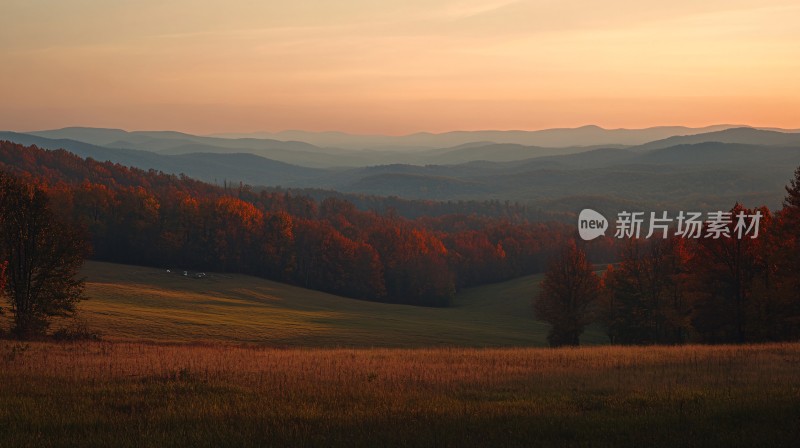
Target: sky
x: 397, y: 67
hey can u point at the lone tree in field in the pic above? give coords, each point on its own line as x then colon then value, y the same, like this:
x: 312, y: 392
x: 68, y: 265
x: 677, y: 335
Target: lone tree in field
x: 42, y: 257
x: 568, y: 292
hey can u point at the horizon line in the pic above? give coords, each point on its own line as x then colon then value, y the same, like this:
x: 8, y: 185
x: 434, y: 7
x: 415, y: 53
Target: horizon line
x: 230, y: 134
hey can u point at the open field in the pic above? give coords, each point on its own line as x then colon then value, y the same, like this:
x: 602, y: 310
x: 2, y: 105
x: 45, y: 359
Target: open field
x: 154, y: 395
x: 231, y: 360
x: 146, y: 304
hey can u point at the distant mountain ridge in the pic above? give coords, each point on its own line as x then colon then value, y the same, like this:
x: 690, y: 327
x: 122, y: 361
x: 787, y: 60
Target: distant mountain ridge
x: 455, y: 148
x: 677, y: 171
x: 741, y: 135
x: 590, y: 135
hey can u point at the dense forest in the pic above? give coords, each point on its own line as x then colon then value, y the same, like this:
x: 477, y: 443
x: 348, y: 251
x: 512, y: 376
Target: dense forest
x: 514, y: 211
x: 676, y: 290
x: 671, y: 290
x: 710, y: 290
x: 150, y: 218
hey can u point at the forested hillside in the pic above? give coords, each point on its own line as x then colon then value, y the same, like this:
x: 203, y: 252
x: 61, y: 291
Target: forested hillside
x: 155, y: 219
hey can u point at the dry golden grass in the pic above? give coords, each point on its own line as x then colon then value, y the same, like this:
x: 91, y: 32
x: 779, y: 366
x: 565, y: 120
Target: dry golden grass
x: 135, y: 394
x: 144, y: 386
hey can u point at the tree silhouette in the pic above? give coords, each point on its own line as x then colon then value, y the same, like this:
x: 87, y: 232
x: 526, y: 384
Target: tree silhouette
x: 785, y: 252
x: 43, y: 257
x: 792, y: 199
x: 568, y: 294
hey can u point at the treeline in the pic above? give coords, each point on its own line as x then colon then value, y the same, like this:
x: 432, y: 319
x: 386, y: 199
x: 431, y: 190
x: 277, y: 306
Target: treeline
x: 154, y: 219
x: 513, y: 211
x: 679, y: 290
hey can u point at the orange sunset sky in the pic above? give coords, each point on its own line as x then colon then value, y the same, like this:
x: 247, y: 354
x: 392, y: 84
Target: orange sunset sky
x: 397, y: 67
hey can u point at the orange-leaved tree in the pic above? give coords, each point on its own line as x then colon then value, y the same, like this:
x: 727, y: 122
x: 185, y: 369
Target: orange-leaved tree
x: 568, y: 296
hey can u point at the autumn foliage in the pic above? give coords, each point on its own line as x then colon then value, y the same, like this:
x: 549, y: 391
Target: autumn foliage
x: 723, y: 290
x: 568, y: 296
x: 154, y: 219
x: 677, y: 290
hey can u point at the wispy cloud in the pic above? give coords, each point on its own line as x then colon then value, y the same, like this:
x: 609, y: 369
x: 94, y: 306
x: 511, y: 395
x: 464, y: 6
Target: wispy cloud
x: 443, y: 54
x: 464, y: 9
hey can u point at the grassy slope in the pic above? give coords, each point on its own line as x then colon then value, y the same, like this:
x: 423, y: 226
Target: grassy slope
x: 130, y: 302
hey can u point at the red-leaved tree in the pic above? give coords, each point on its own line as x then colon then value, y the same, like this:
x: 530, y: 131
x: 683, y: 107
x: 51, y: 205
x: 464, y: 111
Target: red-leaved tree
x: 568, y: 296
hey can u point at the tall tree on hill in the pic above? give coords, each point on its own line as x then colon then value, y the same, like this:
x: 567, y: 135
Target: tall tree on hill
x: 43, y: 257
x: 568, y: 295
x: 785, y: 245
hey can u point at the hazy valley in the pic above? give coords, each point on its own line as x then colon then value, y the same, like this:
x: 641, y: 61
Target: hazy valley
x: 703, y: 169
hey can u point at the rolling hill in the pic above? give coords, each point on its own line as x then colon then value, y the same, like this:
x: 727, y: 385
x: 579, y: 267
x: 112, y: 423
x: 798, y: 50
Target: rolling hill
x: 326, y: 150
x: 176, y: 143
x: 709, y: 170
x: 138, y: 303
x: 741, y: 135
x: 703, y: 175
x: 209, y: 167
x: 298, y: 152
